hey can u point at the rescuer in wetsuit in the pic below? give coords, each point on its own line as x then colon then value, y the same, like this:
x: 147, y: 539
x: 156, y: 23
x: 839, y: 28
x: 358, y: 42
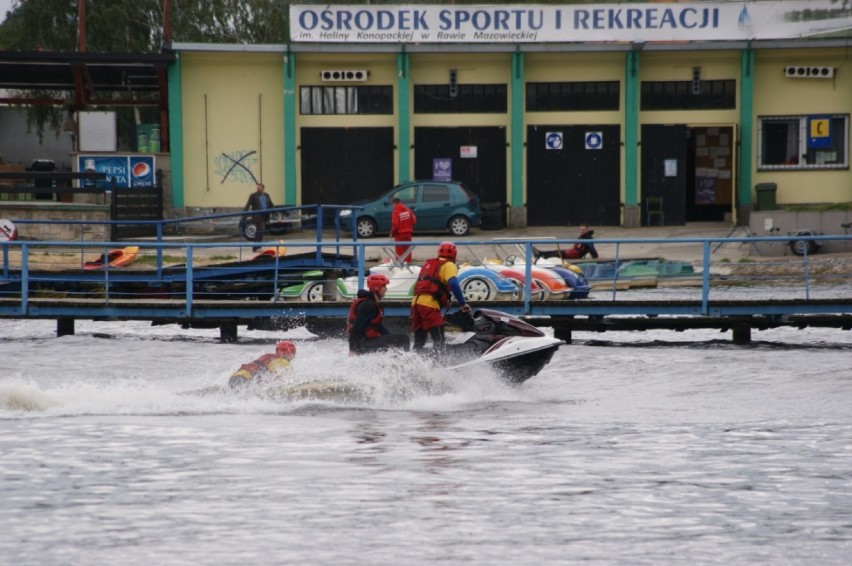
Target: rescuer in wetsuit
x: 365, y: 326
x: 265, y: 366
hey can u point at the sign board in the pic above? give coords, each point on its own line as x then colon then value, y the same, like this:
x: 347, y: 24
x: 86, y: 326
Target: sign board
x: 553, y: 140
x: 97, y: 131
x: 819, y: 132
x: 468, y: 152
x: 594, y: 140
x: 127, y: 170
x: 577, y: 23
x: 670, y: 168
x: 442, y: 169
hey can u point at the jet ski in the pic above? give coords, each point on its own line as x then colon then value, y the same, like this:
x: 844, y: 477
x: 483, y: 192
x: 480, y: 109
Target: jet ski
x: 515, y: 348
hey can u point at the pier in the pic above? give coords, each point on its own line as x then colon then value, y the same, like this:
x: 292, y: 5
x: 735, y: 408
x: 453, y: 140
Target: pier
x: 219, y: 284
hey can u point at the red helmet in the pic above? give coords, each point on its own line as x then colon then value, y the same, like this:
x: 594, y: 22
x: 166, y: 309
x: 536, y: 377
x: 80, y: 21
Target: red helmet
x: 286, y: 348
x: 447, y: 249
x: 377, y: 280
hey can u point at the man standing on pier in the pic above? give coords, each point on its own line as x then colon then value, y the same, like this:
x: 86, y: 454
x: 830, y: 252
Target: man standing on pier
x: 259, y: 201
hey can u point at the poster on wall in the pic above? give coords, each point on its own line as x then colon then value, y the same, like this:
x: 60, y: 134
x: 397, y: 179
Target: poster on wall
x: 442, y: 169
x: 705, y: 190
x: 127, y: 171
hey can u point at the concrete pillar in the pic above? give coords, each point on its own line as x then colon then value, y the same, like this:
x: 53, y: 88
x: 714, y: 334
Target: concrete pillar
x: 228, y: 332
x: 742, y: 335
x: 562, y: 333
x: 64, y: 327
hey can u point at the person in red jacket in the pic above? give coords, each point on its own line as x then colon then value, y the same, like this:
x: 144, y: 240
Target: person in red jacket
x: 402, y: 226
x: 265, y: 367
x: 436, y: 284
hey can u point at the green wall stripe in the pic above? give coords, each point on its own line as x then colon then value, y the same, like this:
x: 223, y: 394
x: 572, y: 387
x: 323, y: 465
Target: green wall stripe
x: 746, y: 125
x: 290, y: 128
x: 517, y: 135
x: 403, y: 90
x: 176, y: 132
x: 631, y: 128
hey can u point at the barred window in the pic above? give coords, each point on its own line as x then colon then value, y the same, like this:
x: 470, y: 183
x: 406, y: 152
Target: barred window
x: 803, y: 142
x: 346, y: 100
x: 467, y: 99
x: 567, y: 96
x: 680, y: 95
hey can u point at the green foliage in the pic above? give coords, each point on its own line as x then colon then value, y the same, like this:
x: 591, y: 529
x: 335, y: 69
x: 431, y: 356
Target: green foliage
x: 136, y: 26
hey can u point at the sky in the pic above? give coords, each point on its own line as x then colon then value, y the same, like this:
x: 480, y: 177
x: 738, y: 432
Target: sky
x: 5, y: 6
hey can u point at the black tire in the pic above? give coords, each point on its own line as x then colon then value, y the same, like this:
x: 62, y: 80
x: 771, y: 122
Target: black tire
x: 492, y: 216
x: 365, y: 227
x: 800, y: 247
x: 459, y: 225
x: 249, y: 230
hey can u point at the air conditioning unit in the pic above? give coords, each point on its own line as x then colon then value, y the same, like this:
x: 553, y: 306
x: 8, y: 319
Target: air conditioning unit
x: 806, y: 72
x: 344, y: 75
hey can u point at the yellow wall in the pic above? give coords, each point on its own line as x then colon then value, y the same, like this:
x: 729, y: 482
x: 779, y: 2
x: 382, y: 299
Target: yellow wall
x: 775, y: 94
x: 232, y: 105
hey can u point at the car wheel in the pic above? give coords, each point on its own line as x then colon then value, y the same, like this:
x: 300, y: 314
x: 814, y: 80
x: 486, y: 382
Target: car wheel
x: 249, y: 231
x: 366, y: 227
x: 800, y: 247
x: 459, y: 226
x: 476, y: 289
x: 313, y: 292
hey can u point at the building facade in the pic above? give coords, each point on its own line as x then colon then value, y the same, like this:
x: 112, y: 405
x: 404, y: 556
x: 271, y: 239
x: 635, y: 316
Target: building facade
x: 560, y: 114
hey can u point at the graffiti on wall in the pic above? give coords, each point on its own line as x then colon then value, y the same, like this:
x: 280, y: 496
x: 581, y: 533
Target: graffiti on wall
x: 236, y: 166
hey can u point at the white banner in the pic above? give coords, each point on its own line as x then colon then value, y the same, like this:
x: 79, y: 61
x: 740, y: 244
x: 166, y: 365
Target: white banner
x: 523, y: 23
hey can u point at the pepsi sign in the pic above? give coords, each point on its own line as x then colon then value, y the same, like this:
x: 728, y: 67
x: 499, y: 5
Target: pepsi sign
x: 142, y: 171
x: 122, y: 171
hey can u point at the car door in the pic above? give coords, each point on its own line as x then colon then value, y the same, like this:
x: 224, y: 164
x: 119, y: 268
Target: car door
x: 407, y: 194
x: 434, y: 208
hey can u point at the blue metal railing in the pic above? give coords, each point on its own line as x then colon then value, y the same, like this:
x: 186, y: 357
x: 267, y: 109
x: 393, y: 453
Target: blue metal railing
x: 202, y: 277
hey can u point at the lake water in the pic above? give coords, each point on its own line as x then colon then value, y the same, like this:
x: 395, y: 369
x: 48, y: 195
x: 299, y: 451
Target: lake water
x: 629, y: 448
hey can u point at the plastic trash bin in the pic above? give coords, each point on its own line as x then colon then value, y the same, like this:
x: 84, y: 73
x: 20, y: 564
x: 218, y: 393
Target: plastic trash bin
x: 43, y: 166
x: 766, y: 196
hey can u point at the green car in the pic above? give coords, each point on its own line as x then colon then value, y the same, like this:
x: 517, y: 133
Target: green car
x: 438, y: 205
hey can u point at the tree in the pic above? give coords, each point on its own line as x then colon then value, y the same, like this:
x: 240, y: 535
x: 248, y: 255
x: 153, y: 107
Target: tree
x: 136, y: 26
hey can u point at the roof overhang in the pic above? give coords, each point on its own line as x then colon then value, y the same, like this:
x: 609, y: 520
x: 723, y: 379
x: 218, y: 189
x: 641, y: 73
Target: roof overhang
x: 93, y: 79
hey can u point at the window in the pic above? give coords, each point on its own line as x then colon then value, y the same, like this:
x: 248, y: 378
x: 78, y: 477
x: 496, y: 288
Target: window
x: 346, y: 100
x: 678, y: 95
x: 469, y: 99
x: 550, y: 97
x: 435, y: 193
x: 784, y: 143
x: 408, y: 194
